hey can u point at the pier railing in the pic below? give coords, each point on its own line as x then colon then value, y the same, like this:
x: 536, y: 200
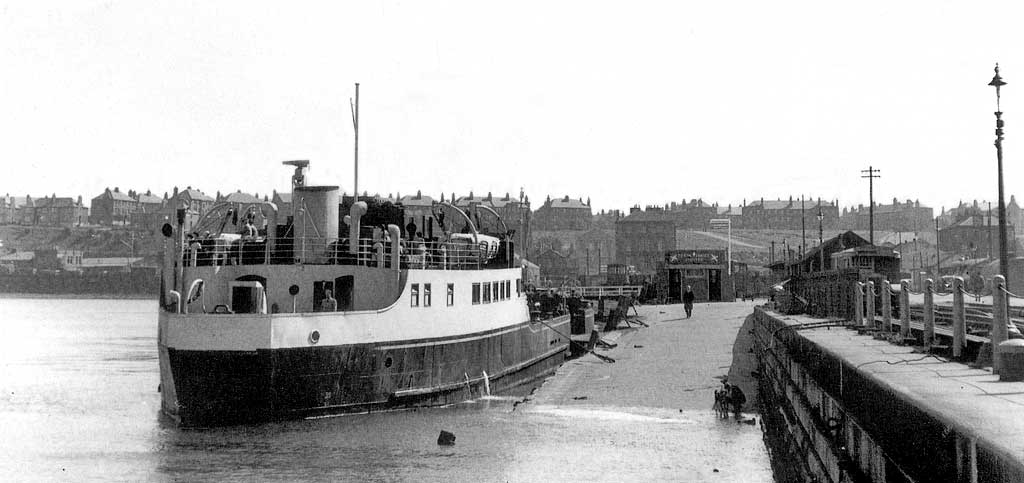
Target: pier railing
x: 938, y: 320
x: 456, y: 254
x: 593, y: 292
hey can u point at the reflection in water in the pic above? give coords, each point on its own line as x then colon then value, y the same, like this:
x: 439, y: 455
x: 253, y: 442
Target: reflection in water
x: 80, y: 402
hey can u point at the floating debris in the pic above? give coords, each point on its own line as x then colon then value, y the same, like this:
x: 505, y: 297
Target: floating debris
x: 446, y: 438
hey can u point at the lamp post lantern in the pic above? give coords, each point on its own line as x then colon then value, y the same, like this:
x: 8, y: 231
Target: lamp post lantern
x: 997, y: 82
x: 821, y: 244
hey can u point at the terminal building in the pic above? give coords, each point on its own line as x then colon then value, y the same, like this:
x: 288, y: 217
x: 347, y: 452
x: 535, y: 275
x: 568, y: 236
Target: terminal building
x: 705, y: 271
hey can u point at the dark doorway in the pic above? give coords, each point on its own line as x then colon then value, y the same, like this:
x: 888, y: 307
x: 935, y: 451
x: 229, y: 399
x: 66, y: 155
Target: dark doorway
x: 675, y: 282
x: 715, y: 285
x: 243, y: 300
x: 344, y: 286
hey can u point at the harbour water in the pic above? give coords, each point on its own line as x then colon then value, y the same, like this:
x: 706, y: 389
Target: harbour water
x: 80, y: 402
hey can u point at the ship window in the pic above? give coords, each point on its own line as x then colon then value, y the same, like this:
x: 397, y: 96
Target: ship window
x: 451, y: 294
x: 494, y: 291
x: 519, y: 287
x: 426, y: 295
x: 476, y: 293
x: 508, y: 288
x: 487, y: 292
x: 501, y: 290
x: 415, y: 300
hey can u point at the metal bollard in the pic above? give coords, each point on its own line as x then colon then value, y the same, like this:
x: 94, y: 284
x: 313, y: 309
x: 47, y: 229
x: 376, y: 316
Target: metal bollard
x: 959, y: 317
x: 886, y: 307
x: 929, y: 312
x: 869, y: 292
x: 998, y: 333
x: 858, y: 304
x: 905, y: 308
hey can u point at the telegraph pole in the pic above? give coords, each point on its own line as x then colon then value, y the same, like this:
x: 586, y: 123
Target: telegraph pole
x: 803, y: 228
x: 1004, y: 259
x: 871, y: 175
x: 938, y: 267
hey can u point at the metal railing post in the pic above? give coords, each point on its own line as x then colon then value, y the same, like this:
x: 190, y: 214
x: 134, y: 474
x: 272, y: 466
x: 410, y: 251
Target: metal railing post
x: 929, y: 312
x: 905, y: 308
x: 998, y: 333
x: 959, y: 317
x: 870, y: 294
x: 858, y: 304
x: 886, y: 307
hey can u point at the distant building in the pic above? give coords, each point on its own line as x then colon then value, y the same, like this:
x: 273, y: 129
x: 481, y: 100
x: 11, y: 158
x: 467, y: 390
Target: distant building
x: 706, y: 272
x: 563, y: 214
x: 791, y: 214
x: 694, y: 215
x: 195, y: 202
x: 419, y: 209
x: 606, y: 219
x: 975, y: 237
x: 556, y: 268
x: 515, y: 212
x: 643, y: 237
x: 283, y: 202
x: 10, y: 208
x: 54, y: 211
x: 147, y: 214
x: 112, y: 208
x: 816, y: 261
x: 191, y: 198
x: 238, y: 197
x: 903, y: 217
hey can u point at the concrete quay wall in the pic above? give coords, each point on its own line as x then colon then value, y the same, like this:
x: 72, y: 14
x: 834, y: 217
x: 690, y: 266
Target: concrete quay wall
x: 848, y: 407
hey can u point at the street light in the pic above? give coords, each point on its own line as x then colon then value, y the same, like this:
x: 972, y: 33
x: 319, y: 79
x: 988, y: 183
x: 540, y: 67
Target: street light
x: 821, y: 246
x: 997, y: 82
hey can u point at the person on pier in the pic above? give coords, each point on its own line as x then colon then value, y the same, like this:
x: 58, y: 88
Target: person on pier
x: 688, y: 301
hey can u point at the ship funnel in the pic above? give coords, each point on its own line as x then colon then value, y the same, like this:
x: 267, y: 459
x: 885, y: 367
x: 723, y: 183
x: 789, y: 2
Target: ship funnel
x: 316, y: 222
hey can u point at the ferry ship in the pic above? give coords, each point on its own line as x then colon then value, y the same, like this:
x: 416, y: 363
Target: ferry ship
x: 334, y: 306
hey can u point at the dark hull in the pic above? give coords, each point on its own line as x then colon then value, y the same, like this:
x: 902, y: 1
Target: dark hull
x: 228, y: 387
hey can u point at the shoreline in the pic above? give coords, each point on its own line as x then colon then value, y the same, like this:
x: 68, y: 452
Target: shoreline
x: 77, y: 296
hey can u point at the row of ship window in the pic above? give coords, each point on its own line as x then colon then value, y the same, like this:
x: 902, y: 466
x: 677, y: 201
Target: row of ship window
x: 485, y: 292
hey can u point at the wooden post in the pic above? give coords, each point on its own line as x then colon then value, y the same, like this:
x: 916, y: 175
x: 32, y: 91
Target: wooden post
x: 929, y: 312
x: 869, y: 292
x: 905, y: 308
x: 959, y: 317
x: 998, y: 333
x: 858, y: 304
x: 886, y: 307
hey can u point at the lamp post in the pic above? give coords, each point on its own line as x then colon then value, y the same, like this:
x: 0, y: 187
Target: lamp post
x: 997, y: 82
x: 821, y: 245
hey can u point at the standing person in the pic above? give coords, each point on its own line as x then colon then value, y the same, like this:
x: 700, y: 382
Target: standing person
x: 976, y: 285
x: 329, y: 304
x: 737, y: 399
x: 688, y: 301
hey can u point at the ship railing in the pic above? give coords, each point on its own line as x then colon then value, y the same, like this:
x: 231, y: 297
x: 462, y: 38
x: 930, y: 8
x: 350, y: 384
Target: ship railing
x: 370, y: 252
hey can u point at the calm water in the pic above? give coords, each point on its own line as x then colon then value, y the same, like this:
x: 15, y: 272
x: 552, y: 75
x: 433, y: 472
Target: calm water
x: 80, y: 402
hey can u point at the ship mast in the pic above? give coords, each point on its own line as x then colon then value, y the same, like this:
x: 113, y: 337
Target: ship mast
x: 354, y: 107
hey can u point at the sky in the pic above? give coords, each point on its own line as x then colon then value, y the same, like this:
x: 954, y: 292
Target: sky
x: 621, y: 102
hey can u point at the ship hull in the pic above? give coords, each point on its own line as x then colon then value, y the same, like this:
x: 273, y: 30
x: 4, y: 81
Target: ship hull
x: 216, y: 387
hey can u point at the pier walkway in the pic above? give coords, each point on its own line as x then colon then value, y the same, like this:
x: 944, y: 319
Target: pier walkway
x: 932, y: 418
x: 666, y: 374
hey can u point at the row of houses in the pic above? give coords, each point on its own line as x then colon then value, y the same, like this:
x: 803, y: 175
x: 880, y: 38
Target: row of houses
x: 45, y: 211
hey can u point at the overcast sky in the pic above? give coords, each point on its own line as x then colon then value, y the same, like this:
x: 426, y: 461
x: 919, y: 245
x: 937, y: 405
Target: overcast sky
x: 626, y: 102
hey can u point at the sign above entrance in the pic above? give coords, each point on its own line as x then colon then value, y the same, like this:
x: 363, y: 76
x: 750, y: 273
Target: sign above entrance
x: 695, y: 257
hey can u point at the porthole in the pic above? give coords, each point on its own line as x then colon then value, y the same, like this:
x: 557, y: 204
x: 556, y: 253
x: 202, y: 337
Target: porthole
x: 314, y: 336
x: 387, y: 362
